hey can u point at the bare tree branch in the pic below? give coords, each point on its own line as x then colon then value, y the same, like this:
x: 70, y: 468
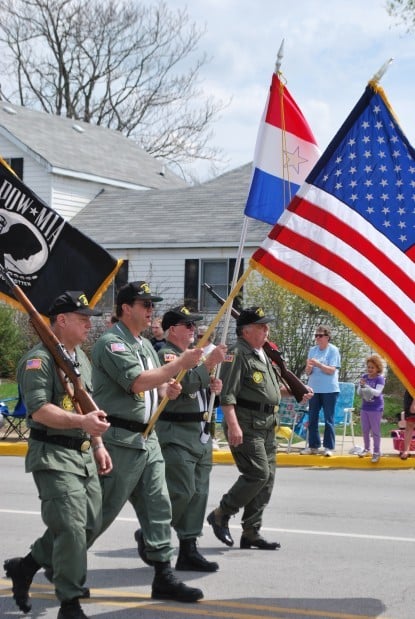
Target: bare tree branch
x: 122, y: 65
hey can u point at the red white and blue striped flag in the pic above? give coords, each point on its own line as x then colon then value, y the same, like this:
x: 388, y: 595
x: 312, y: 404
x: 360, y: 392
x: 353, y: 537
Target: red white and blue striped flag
x: 347, y: 240
x: 285, y: 153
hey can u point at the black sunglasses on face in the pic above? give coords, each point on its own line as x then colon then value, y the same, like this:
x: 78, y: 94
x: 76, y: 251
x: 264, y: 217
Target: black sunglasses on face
x: 320, y: 335
x: 146, y: 304
x: 188, y: 325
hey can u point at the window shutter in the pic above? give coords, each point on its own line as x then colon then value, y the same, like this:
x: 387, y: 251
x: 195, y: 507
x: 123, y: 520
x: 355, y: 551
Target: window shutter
x: 191, y: 283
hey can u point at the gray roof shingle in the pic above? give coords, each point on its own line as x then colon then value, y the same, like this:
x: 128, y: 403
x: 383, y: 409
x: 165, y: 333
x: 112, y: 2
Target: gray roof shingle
x: 83, y: 149
x: 209, y: 214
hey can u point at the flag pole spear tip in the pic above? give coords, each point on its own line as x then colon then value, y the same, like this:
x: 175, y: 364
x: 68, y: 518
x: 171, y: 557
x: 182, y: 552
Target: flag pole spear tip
x: 279, y: 58
x: 378, y: 76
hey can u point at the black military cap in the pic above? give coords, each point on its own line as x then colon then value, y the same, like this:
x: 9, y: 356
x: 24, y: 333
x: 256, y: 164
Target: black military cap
x: 178, y: 315
x: 72, y: 301
x: 253, y: 315
x: 134, y: 291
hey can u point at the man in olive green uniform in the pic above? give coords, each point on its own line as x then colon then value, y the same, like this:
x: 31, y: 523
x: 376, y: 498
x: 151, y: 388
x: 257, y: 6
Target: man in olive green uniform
x: 60, y: 459
x: 184, y: 441
x: 249, y: 399
x: 127, y: 379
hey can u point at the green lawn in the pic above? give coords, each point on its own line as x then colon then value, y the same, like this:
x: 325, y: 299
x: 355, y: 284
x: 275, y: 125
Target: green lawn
x: 8, y: 389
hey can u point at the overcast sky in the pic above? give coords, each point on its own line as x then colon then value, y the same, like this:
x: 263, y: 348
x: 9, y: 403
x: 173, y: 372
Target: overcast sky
x: 332, y: 48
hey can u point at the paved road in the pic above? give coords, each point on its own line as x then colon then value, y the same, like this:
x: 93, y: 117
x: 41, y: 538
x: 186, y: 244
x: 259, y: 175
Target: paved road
x: 347, y: 552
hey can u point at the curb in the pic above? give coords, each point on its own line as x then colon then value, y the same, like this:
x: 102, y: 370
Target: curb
x: 387, y: 461
x: 224, y: 456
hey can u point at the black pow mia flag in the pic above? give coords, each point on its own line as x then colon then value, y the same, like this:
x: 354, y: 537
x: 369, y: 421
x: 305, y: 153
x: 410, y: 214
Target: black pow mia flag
x: 42, y: 253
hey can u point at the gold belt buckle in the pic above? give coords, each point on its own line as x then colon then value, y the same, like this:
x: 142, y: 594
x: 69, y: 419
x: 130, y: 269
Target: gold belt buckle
x: 85, y: 445
x: 205, y: 416
x: 276, y: 408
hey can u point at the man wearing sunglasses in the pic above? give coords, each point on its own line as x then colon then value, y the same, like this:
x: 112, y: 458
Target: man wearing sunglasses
x: 128, y: 377
x: 185, y: 441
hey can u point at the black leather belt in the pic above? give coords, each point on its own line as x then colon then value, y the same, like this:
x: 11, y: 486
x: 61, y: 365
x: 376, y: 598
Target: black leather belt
x: 183, y: 417
x: 256, y: 406
x: 71, y: 442
x: 127, y: 424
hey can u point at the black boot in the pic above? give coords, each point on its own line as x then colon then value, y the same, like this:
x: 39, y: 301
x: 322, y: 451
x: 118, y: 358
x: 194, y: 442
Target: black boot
x: 167, y: 587
x: 220, y: 524
x: 71, y: 609
x: 141, y: 547
x: 252, y: 537
x: 191, y: 560
x: 21, y: 570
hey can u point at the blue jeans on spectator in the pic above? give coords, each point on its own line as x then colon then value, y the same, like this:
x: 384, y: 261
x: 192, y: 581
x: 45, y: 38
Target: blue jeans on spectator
x: 327, y: 402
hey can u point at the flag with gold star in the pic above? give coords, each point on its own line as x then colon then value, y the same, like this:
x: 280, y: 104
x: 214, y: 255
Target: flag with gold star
x: 285, y: 153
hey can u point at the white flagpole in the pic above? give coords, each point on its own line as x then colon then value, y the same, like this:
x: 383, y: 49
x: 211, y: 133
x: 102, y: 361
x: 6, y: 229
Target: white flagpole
x: 238, y: 262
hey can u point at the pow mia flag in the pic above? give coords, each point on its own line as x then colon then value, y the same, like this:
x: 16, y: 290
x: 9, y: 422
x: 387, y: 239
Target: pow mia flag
x: 42, y: 253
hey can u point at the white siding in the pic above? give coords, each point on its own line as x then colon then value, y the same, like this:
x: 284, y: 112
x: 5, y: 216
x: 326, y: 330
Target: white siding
x: 70, y: 195
x: 164, y: 268
x: 35, y: 176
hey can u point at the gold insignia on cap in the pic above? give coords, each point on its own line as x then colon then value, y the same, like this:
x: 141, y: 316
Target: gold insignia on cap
x: 184, y: 310
x: 260, y: 312
x: 67, y: 403
x: 257, y: 377
x: 82, y: 298
x: 145, y: 288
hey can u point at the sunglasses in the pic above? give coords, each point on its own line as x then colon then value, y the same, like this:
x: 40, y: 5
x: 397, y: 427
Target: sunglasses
x: 320, y: 335
x: 188, y: 325
x: 146, y: 304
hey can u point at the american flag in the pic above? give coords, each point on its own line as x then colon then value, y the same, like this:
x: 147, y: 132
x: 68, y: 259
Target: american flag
x: 285, y: 153
x: 347, y: 240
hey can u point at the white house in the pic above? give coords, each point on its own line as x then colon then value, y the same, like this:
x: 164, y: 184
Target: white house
x: 67, y: 162
x: 176, y: 239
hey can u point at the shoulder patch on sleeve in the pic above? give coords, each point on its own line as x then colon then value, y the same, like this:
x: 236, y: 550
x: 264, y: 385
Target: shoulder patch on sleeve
x: 33, y: 364
x: 117, y: 347
x: 169, y: 356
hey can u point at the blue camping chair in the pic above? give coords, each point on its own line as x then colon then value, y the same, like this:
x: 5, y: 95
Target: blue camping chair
x: 292, y: 420
x: 343, y: 413
x: 14, y: 420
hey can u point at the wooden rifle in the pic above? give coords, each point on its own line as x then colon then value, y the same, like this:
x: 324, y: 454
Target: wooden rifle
x: 67, y: 367
x: 290, y: 380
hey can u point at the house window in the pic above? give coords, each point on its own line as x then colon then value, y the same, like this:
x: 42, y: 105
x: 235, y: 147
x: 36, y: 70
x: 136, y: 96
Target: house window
x: 216, y: 273
x: 16, y: 164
